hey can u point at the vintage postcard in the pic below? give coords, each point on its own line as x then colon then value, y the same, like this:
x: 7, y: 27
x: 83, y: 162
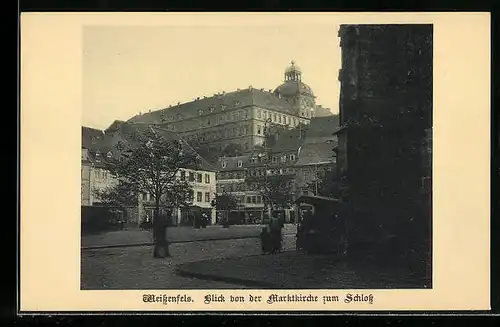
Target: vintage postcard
x: 254, y: 162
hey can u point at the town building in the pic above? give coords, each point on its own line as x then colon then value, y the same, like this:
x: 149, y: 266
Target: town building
x: 93, y: 159
x: 384, y: 142
x: 97, y: 146
x: 300, y: 155
x: 316, y: 155
x: 233, y: 123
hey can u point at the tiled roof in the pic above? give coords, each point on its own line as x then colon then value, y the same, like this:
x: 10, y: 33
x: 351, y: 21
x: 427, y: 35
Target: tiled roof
x: 289, y: 140
x: 316, y: 153
x: 217, y: 103
x: 322, y: 127
x: 319, y: 141
x: 129, y: 133
x: 232, y: 163
x: 114, y: 126
x: 91, y: 137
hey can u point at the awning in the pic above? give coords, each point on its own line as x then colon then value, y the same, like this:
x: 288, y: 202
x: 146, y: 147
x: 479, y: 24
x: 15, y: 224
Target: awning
x: 315, y: 200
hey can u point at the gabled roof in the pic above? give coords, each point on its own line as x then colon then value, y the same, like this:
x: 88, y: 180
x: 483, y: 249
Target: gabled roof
x: 319, y: 142
x: 288, y: 140
x: 231, y: 163
x: 322, y: 127
x: 316, y: 154
x: 217, y: 103
x: 114, y: 126
x: 91, y: 137
x: 129, y: 133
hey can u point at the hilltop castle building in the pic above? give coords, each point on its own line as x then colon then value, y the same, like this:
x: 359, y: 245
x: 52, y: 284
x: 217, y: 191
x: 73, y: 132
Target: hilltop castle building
x: 239, y: 119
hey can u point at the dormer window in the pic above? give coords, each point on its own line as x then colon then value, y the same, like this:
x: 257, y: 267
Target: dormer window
x: 109, y: 155
x: 240, y: 163
x: 200, y: 112
x: 237, y: 103
x: 223, y: 164
x: 223, y: 107
x: 292, y: 157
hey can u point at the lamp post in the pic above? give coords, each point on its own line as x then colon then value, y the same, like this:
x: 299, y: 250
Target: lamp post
x: 316, y: 179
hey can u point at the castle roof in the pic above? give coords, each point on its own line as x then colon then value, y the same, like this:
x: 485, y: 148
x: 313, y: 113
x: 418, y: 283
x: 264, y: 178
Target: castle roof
x: 217, y: 103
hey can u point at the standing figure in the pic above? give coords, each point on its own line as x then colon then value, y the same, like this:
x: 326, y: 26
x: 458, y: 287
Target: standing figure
x: 276, y: 225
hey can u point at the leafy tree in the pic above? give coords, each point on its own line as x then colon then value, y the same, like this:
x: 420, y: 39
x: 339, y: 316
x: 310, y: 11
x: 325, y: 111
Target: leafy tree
x: 224, y: 201
x: 149, y: 162
x: 327, y: 185
x: 119, y: 196
x: 275, y: 190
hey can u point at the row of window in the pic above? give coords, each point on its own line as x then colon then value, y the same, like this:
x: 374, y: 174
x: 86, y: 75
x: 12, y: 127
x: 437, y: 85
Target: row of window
x: 237, y: 116
x: 101, y: 174
x: 278, y: 118
x: 255, y: 173
x: 199, y: 197
x: 255, y: 199
x: 307, y: 174
x: 201, y: 112
x: 274, y: 159
x: 191, y: 177
x: 220, y: 134
x: 215, y: 120
x: 238, y: 187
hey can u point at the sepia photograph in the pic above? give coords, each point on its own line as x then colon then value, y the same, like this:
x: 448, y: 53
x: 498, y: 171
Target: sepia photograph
x: 268, y: 157
x: 267, y: 162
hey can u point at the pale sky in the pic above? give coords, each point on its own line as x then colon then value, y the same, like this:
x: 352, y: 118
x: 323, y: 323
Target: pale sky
x: 130, y: 69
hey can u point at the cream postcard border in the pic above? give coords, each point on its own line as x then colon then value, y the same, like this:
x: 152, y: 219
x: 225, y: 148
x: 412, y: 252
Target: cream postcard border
x: 50, y: 114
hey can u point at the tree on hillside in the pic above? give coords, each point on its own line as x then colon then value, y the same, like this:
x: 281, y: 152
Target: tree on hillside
x: 149, y: 163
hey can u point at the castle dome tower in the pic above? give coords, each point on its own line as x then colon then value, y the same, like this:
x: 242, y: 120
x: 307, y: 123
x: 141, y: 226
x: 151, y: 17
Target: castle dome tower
x: 296, y: 92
